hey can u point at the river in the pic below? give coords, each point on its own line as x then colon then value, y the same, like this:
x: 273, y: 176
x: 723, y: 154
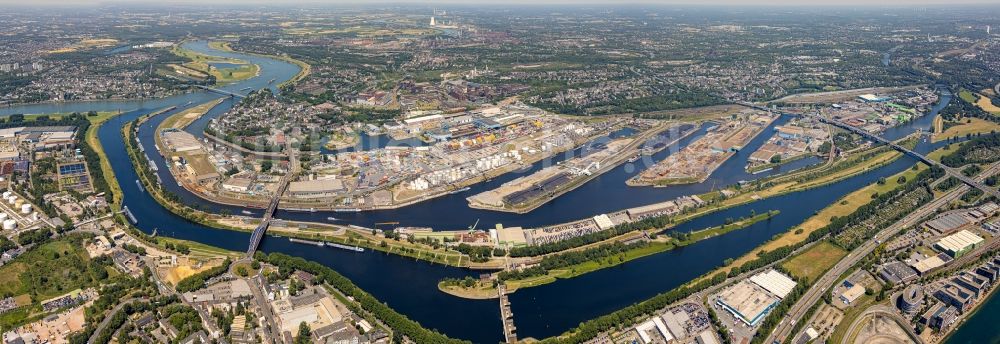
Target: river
x: 409, y: 286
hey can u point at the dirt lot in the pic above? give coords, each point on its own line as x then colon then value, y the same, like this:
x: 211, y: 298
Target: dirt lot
x: 56, y: 330
x: 185, y: 267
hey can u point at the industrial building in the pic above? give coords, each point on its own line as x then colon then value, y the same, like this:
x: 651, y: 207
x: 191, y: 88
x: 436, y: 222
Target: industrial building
x: 751, y: 300
x: 774, y: 282
x: 959, y: 243
x: 931, y: 264
x: 180, y: 141
x: 948, y: 223
x: 871, y: 98
x: 315, y: 188
x: 897, y: 272
x: 645, y: 330
x: 852, y: 294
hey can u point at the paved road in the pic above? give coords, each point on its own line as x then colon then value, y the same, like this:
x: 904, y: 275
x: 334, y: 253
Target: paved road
x: 814, y: 293
x: 256, y: 286
x: 107, y: 319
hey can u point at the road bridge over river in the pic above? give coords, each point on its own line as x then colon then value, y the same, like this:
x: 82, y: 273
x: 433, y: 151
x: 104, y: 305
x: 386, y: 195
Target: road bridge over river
x: 863, y: 133
x: 220, y: 91
x: 258, y: 233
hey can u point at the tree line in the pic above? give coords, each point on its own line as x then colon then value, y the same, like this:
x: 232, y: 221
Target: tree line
x: 656, y: 222
x: 979, y: 150
x: 571, y: 258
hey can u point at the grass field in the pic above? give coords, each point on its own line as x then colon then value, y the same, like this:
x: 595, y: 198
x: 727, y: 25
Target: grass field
x: 987, y: 105
x: 843, y: 206
x: 813, y: 262
x: 202, y: 62
x: 184, y: 118
x: 967, y: 95
x: 305, y: 68
x: 49, y: 270
x: 968, y: 126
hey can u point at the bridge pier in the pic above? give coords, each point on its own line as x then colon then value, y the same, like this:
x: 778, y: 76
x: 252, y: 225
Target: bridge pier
x: 506, y: 316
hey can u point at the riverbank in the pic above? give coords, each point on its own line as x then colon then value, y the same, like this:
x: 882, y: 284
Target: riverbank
x: 654, y: 243
x: 109, y: 174
x: 768, y: 166
x: 842, y: 207
x: 304, y: 68
x: 204, y: 63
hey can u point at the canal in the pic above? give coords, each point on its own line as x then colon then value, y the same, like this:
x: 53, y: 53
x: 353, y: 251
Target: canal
x: 409, y: 286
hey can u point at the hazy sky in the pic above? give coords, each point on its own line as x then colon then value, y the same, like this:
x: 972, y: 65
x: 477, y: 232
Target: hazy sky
x: 521, y: 2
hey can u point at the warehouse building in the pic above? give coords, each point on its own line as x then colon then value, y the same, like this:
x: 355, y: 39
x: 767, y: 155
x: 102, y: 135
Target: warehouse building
x: 315, y: 188
x: 774, y: 282
x: 948, y: 223
x: 751, y: 300
x: 748, y: 302
x: 959, y: 243
x: 180, y: 141
x: 930, y: 264
x: 852, y: 294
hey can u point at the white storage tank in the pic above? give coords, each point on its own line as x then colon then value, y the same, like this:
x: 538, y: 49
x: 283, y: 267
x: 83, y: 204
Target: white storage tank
x: 9, y: 224
x: 11, y: 199
x: 25, y: 208
x: 3, y: 216
x: 6, y: 194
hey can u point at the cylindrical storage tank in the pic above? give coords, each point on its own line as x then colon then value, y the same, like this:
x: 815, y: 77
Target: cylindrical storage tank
x: 6, y: 194
x: 9, y: 224
x: 11, y: 199
x: 18, y: 203
x: 3, y: 216
x: 25, y: 208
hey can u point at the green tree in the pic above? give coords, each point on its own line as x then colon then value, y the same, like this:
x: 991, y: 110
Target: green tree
x: 303, y: 336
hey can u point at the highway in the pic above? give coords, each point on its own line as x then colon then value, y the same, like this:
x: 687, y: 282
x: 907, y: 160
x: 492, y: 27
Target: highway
x: 798, y: 310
